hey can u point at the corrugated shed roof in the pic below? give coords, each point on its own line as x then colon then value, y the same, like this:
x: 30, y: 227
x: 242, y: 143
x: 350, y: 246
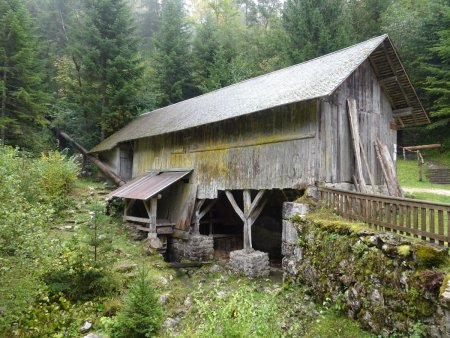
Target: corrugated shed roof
x: 149, y: 185
x: 312, y: 79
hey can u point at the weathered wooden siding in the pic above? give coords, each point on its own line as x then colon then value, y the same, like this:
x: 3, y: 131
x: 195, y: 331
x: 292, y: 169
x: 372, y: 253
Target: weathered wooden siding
x: 270, y: 149
x: 335, y: 162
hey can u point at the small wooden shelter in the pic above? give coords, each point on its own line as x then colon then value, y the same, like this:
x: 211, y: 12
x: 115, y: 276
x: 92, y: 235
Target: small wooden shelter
x: 261, y: 140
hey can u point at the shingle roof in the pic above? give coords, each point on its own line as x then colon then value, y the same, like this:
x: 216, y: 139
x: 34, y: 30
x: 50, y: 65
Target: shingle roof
x: 308, y: 80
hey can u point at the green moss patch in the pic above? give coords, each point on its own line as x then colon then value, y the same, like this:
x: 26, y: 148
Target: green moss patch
x: 429, y: 257
x: 332, y: 222
x: 404, y: 250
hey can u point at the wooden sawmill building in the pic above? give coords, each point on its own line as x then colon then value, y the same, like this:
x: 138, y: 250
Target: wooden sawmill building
x: 222, y: 163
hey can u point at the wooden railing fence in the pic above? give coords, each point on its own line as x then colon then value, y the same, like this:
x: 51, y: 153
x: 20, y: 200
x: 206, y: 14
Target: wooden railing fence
x: 420, y: 219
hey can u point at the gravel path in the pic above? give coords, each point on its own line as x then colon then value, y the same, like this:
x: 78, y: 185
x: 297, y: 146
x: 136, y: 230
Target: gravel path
x: 431, y: 191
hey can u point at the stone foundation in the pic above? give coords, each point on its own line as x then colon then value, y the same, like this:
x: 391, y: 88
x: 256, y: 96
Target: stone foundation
x: 199, y: 248
x: 289, y: 236
x: 251, y: 263
x: 392, y: 285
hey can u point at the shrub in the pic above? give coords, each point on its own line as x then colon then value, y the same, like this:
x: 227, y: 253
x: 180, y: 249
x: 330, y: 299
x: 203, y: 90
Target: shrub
x: 54, y: 177
x: 78, y: 277
x: 141, y: 315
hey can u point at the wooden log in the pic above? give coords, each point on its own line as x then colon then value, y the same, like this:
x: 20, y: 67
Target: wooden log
x: 100, y: 165
x: 354, y: 128
x: 421, y: 147
x: 369, y: 172
x: 179, y: 265
x: 388, y: 169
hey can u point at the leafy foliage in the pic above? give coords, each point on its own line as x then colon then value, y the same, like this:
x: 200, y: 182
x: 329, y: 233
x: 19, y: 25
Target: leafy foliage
x: 24, y: 245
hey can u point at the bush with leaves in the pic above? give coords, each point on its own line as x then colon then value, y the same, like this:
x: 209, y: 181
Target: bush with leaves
x: 25, y: 248
x: 55, y: 175
x: 81, y: 271
x: 141, y: 315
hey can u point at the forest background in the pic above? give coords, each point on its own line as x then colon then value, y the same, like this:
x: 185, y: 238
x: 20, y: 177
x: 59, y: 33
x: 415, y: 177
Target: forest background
x: 90, y: 66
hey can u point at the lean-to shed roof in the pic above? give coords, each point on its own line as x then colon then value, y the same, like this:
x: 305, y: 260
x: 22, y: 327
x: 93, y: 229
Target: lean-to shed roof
x: 308, y: 80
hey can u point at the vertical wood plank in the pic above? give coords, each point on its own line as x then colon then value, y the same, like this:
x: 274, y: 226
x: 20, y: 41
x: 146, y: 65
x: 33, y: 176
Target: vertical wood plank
x: 431, y: 225
x: 423, y: 222
x: 448, y: 228
x: 441, y: 225
x: 416, y: 220
x: 408, y: 217
x: 401, y: 216
x: 387, y: 208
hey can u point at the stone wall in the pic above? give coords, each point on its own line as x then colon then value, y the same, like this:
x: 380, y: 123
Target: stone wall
x: 389, y: 283
x: 196, y: 248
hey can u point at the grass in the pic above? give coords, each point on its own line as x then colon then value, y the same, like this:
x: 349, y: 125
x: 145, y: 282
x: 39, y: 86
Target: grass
x: 335, y: 325
x: 408, y: 176
x: 430, y: 197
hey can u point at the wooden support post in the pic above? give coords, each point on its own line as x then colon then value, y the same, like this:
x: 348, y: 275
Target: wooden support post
x: 153, y: 208
x: 420, y: 163
x: 128, y: 205
x: 251, y: 212
x: 198, y: 215
x: 247, y: 226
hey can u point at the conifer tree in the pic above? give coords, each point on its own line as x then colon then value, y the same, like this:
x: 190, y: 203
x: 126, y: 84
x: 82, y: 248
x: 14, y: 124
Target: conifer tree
x: 22, y: 102
x: 172, y: 58
x: 106, y: 49
x: 316, y: 27
x: 437, y: 83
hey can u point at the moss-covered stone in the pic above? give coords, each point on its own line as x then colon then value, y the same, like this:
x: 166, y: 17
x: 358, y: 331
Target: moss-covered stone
x: 428, y: 256
x: 445, y: 282
x: 404, y: 250
x: 340, y: 255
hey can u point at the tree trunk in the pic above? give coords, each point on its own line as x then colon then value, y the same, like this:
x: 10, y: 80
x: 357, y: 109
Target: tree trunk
x: 100, y: 165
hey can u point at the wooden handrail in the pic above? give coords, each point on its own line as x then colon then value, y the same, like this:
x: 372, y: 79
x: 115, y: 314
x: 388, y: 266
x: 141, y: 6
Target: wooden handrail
x: 427, y: 220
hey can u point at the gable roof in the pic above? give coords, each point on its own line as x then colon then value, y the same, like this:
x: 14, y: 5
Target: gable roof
x: 308, y: 80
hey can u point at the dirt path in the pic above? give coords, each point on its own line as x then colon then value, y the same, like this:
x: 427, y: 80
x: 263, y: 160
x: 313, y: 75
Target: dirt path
x: 431, y: 191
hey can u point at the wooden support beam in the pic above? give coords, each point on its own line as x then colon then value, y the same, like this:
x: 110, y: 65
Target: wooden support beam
x: 354, y: 128
x: 234, y: 205
x: 251, y: 212
x: 152, y: 214
x: 391, y: 65
x: 207, y: 209
x: 255, y: 202
x: 388, y: 79
x: 402, y: 112
x: 198, y: 215
x: 247, y: 226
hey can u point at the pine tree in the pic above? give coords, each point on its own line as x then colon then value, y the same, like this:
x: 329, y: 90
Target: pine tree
x: 172, y: 58
x: 141, y: 315
x: 22, y: 108
x: 437, y: 83
x: 316, y: 27
x: 106, y: 50
x: 148, y: 21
